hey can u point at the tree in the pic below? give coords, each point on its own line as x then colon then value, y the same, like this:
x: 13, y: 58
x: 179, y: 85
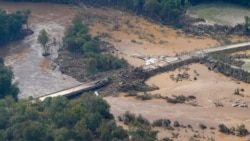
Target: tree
x: 170, y: 10
x: 91, y: 65
x: 246, y: 25
x: 152, y: 6
x: 43, y: 39
x: 6, y: 86
x: 11, y: 25
x: 34, y: 132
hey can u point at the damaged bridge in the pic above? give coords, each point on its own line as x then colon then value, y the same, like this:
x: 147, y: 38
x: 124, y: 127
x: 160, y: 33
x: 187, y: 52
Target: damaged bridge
x: 77, y: 89
x: 170, y: 63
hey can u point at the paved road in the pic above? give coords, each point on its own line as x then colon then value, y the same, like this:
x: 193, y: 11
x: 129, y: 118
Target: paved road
x: 197, y: 54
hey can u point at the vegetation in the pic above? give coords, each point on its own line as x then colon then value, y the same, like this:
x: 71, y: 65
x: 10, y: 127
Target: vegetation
x: 77, y: 40
x: 166, y: 123
x: 241, y: 2
x: 202, y: 126
x: 57, y: 119
x: 167, y: 11
x: 11, y: 25
x: 139, y: 127
x: 238, y: 130
x: 177, y: 99
x: 6, y: 86
x: 43, y: 39
x: 144, y: 96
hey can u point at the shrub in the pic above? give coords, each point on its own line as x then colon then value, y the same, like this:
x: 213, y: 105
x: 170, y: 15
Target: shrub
x: 223, y: 128
x: 162, y: 123
x: 144, y: 96
x: 202, y: 126
x: 142, y: 120
x: 177, y: 99
x: 241, y: 131
x: 166, y: 139
x: 128, y: 117
x: 176, y: 124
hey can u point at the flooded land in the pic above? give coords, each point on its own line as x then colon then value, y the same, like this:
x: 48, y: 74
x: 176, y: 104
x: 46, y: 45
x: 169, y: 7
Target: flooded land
x: 219, y: 13
x: 133, y: 37
x: 32, y: 71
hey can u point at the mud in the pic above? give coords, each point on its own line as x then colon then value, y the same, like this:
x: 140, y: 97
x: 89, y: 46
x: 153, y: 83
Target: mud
x: 209, y: 88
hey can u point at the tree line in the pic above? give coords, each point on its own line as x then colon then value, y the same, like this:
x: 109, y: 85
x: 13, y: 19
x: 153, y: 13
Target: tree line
x: 59, y: 119
x: 240, y: 2
x: 6, y: 85
x: 11, y: 25
x: 167, y: 11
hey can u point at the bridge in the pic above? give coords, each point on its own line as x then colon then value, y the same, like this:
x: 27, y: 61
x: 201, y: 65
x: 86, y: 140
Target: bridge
x: 77, y: 89
x: 164, y: 62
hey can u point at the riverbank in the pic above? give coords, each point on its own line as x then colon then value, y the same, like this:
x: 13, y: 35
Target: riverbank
x: 33, y: 72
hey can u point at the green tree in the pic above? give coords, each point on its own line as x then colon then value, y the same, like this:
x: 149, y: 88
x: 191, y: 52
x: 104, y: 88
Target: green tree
x: 43, y: 39
x: 91, y: 46
x: 152, y: 6
x: 171, y: 9
x: 34, y: 132
x: 6, y: 76
x: 91, y: 65
x: 11, y: 25
x: 246, y: 25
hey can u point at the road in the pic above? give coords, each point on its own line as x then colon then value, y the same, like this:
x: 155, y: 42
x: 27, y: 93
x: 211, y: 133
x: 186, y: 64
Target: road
x: 197, y: 54
x: 77, y: 89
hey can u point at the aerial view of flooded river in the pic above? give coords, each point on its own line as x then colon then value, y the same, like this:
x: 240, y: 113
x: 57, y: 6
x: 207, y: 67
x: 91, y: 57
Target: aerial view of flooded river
x: 32, y: 71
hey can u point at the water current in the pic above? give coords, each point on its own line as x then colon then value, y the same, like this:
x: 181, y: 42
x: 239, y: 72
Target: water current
x: 34, y: 73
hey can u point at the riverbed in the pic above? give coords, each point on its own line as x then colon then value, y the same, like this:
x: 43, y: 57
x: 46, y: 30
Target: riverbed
x: 35, y: 74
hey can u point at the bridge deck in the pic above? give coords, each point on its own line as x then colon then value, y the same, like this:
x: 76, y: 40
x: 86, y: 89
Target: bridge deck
x: 77, y: 89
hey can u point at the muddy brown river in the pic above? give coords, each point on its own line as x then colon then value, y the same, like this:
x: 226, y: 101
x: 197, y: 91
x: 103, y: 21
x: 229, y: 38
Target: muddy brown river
x: 33, y: 72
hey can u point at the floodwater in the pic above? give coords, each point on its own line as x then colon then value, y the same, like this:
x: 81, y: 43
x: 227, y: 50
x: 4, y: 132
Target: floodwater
x: 33, y: 72
x: 219, y: 13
